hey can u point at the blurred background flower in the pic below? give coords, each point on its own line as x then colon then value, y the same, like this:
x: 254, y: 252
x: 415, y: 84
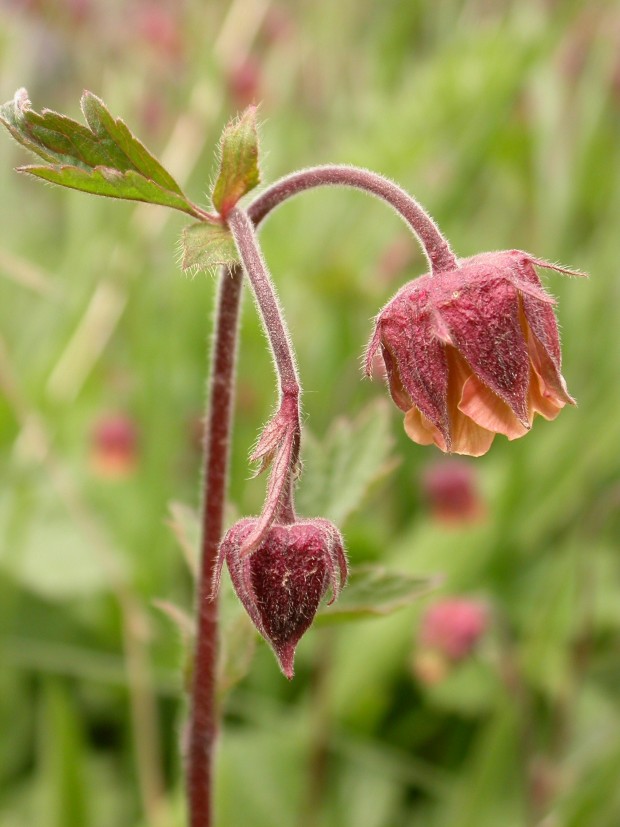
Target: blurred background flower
x: 114, y: 446
x: 449, y: 633
x: 451, y: 491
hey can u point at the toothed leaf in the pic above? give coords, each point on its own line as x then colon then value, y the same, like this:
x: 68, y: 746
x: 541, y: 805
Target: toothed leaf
x: 102, y: 158
x: 374, y: 591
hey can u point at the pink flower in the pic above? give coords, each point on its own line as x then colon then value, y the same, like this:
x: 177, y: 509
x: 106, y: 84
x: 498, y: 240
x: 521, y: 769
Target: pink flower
x: 453, y: 626
x: 473, y: 352
x: 451, y: 491
x: 114, y: 447
x: 282, y: 582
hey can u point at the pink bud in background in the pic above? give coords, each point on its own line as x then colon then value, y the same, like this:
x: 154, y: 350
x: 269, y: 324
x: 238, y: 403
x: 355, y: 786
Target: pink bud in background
x: 473, y: 352
x: 114, y: 447
x: 450, y: 489
x: 453, y: 626
x: 283, y: 581
x: 244, y: 82
x: 278, y: 25
x: 159, y: 26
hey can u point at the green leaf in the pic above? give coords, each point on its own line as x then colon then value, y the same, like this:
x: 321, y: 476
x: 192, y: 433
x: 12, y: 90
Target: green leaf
x: 239, y: 171
x: 374, y: 591
x: 206, y: 246
x: 340, y: 470
x: 103, y: 158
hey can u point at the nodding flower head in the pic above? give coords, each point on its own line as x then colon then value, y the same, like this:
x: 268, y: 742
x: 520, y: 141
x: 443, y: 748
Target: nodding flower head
x: 282, y: 582
x: 473, y: 352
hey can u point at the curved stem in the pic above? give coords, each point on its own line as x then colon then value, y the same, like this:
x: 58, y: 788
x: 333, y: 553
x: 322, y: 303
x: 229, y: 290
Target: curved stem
x: 262, y: 285
x: 203, y: 707
x: 435, y: 246
x: 254, y: 265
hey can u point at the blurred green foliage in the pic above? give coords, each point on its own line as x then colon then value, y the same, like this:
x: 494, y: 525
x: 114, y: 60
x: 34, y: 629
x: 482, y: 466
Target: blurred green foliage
x: 504, y: 120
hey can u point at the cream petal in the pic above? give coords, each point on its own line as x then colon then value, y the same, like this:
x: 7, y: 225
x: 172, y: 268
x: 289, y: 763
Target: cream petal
x: 468, y: 437
x: 419, y: 429
x: 545, y: 358
x: 487, y: 410
x: 542, y: 399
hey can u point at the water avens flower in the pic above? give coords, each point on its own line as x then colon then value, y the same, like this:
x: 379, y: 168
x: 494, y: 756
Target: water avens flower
x: 473, y: 352
x: 282, y: 582
x: 450, y: 631
x: 450, y: 488
x: 114, y: 447
x: 453, y: 626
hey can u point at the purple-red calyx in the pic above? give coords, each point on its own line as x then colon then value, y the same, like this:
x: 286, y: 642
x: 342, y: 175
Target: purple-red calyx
x: 282, y: 582
x: 472, y: 352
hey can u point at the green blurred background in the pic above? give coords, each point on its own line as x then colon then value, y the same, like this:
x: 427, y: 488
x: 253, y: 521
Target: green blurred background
x: 504, y: 120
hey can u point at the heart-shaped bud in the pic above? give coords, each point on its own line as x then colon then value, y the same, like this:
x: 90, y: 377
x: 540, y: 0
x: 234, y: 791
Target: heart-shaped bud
x: 282, y: 582
x: 473, y: 352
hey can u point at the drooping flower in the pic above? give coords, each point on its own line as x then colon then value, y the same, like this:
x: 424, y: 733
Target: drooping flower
x: 282, y: 582
x: 473, y: 352
x: 450, y: 488
x: 449, y: 633
x: 114, y: 447
x: 453, y: 626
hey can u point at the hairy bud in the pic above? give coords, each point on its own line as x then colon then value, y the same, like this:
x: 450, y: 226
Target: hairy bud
x: 282, y: 582
x: 473, y: 352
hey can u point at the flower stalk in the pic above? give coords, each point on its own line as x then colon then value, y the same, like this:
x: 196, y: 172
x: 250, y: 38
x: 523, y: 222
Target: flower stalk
x: 280, y: 442
x: 203, y: 721
x: 436, y: 248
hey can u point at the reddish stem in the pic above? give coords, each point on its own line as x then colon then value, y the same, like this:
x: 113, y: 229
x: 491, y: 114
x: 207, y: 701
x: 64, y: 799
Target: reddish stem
x: 254, y: 265
x: 203, y: 707
x: 435, y: 246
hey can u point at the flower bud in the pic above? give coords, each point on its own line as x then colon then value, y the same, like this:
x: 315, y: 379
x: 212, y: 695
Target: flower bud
x: 473, y: 352
x: 453, y: 626
x: 451, y: 492
x: 281, y: 583
x: 114, y: 447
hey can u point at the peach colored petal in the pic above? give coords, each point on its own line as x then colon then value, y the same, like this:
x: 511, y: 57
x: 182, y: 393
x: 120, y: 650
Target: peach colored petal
x: 419, y: 429
x: 468, y: 437
x: 541, y: 399
x: 553, y: 383
x: 489, y: 411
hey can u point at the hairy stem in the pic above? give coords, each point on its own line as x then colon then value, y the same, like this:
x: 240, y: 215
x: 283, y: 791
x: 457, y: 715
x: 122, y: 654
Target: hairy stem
x: 254, y: 265
x: 275, y: 327
x: 435, y: 246
x: 203, y: 709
